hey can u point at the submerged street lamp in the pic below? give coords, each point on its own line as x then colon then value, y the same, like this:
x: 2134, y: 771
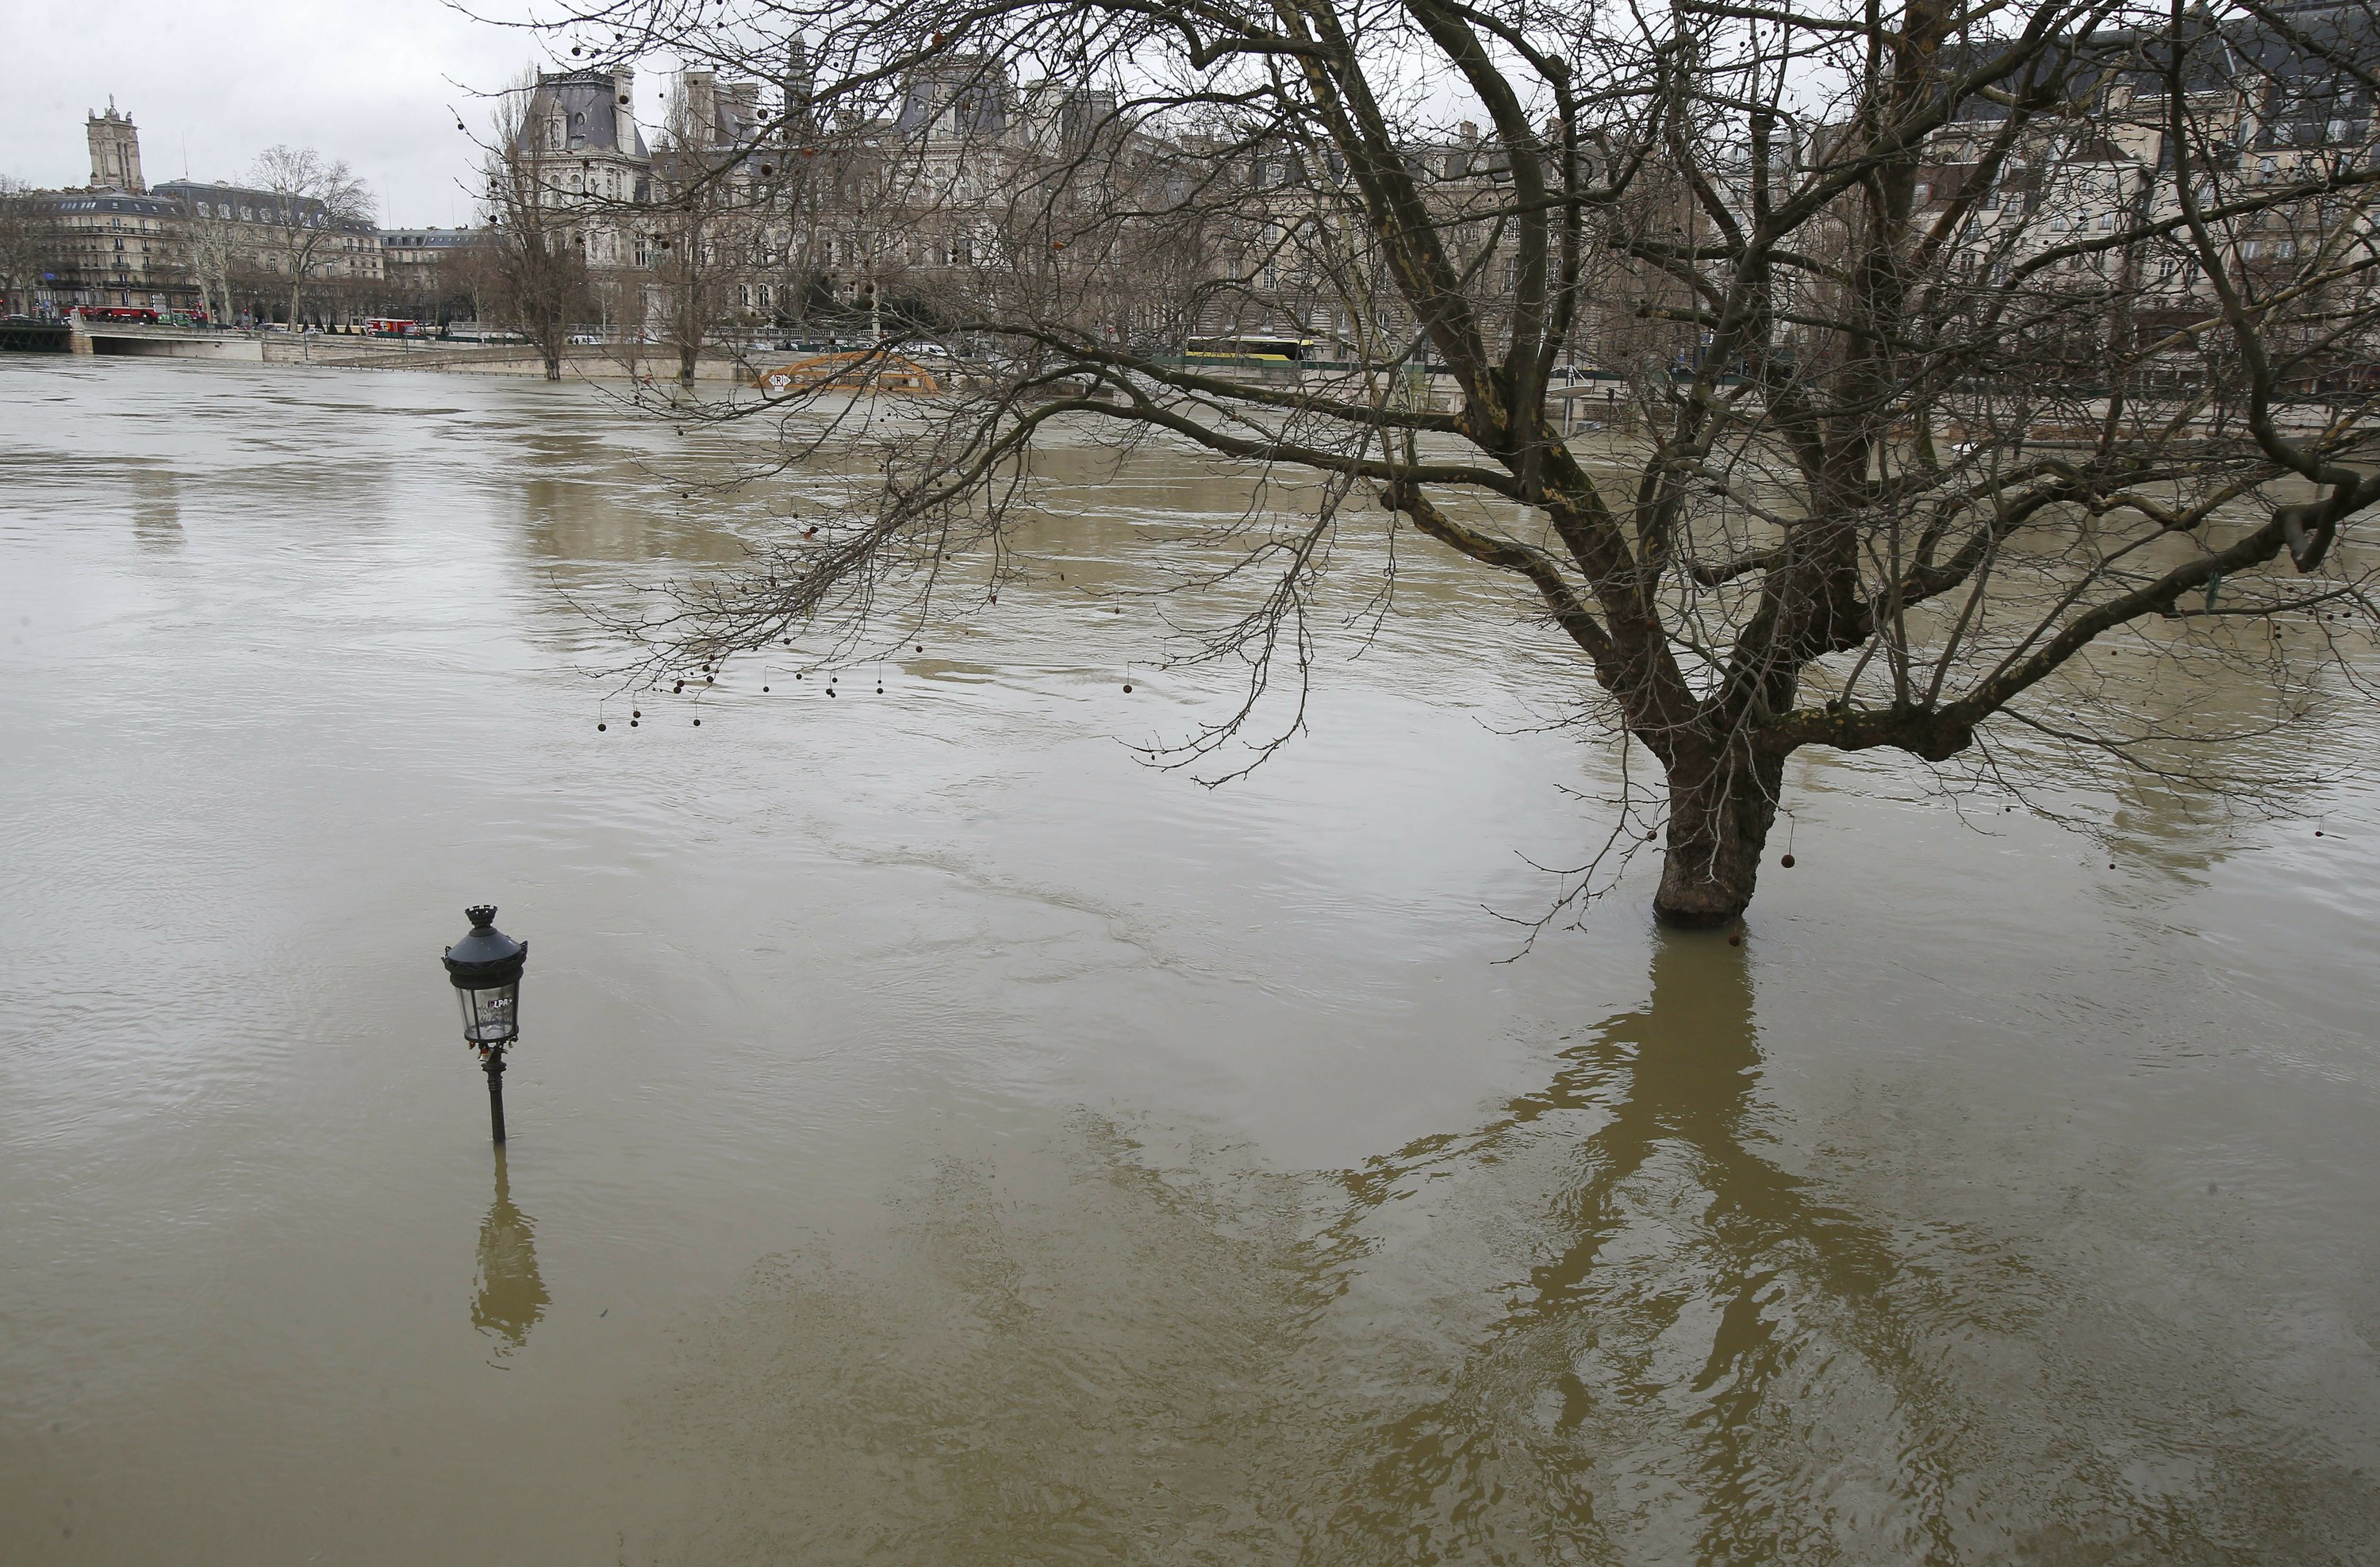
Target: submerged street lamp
x: 485, y: 966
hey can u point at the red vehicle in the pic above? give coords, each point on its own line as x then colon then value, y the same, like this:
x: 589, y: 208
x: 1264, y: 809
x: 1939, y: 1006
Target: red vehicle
x: 120, y: 312
x: 391, y: 327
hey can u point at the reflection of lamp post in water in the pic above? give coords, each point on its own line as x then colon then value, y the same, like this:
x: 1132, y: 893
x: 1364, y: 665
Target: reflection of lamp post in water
x: 486, y: 968
x: 510, y: 1297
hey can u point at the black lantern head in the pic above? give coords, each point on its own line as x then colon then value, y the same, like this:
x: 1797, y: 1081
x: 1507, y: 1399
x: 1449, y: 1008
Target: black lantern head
x: 486, y: 968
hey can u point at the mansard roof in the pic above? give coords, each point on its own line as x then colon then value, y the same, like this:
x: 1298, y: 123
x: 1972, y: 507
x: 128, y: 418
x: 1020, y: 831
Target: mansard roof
x: 594, y: 118
x: 973, y: 88
x: 113, y: 201
x: 2319, y: 49
x: 265, y: 204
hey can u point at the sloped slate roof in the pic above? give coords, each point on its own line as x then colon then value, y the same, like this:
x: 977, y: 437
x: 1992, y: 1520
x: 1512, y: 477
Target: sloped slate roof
x: 113, y: 201
x: 593, y: 118
x: 975, y: 86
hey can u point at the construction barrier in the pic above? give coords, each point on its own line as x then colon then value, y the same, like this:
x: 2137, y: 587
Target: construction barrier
x: 859, y: 370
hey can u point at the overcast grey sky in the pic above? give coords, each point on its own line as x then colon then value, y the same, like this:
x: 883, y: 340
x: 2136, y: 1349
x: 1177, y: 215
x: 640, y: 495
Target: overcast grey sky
x: 213, y: 82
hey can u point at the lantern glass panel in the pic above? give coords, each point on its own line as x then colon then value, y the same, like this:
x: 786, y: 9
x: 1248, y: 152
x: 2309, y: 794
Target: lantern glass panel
x: 492, y: 1015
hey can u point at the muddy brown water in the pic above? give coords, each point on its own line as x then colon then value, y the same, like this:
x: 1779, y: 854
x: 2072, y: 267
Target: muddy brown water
x: 938, y: 1137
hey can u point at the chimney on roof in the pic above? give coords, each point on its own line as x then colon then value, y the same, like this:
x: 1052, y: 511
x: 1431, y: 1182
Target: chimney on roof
x: 625, y: 135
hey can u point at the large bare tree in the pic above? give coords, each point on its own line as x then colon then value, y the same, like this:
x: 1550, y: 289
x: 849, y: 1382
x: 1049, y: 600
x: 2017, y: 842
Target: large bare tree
x: 316, y: 203
x: 697, y: 256
x: 707, y: 224
x: 530, y: 273
x: 215, y: 254
x: 1945, y: 350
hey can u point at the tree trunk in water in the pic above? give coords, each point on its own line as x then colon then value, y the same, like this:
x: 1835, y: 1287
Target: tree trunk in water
x: 686, y: 354
x: 1720, y: 807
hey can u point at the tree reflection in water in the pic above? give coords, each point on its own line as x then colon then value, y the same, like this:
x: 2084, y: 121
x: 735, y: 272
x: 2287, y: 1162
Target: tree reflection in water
x: 1059, y: 1353
x: 1662, y: 1377
x: 1608, y: 1326
x: 508, y: 1297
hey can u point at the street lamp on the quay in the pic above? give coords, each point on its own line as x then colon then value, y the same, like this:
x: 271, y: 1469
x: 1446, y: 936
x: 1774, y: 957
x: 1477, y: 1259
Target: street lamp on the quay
x: 485, y: 966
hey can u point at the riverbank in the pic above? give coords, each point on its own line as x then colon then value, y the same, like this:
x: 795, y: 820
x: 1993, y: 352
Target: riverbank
x: 1585, y: 403
x: 347, y: 351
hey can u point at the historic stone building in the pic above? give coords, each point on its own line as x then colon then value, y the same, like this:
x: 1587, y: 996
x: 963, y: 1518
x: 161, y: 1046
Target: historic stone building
x: 581, y: 147
x: 192, y: 246
x: 119, y: 244
x: 416, y: 265
x: 237, y: 248
x: 119, y: 249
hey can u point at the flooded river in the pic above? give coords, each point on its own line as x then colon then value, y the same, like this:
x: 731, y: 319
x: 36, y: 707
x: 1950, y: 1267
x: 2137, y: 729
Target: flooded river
x: 938, y: 1138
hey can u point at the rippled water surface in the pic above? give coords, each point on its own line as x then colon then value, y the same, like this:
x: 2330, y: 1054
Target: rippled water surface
x: 938, y: 1138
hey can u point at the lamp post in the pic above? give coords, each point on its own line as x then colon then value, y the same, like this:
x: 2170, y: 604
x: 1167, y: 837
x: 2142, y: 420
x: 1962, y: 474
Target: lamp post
x: 485, y: 967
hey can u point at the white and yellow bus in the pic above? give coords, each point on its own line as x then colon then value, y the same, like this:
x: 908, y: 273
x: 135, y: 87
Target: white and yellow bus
x: 1267, y: 350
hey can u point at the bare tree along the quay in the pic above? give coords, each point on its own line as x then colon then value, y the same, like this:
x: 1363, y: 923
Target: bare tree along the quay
x: 1832, y: 378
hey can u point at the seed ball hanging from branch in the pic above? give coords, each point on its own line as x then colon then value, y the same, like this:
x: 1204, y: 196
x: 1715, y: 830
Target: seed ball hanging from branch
x: 1787, y: 862
x: 598, y: 729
